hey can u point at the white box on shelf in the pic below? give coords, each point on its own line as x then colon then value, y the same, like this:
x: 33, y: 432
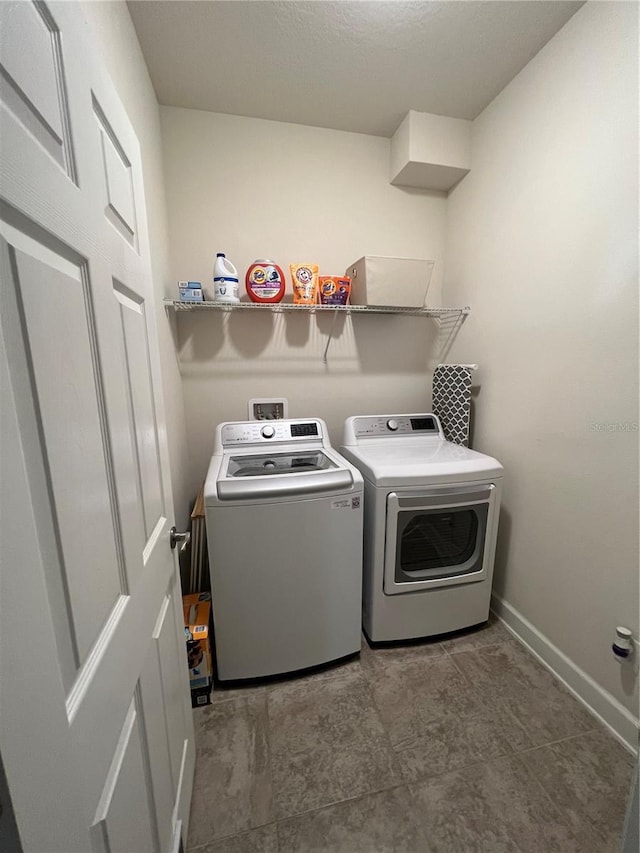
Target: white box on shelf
x: 377, y: 280
x: 190, y: 291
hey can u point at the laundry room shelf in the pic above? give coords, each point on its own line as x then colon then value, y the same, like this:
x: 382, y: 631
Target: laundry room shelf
x: 451, y: 316
x: 279, y: 307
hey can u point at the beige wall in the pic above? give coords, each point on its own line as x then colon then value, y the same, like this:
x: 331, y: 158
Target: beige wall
x: 116, y: 38
x: 256, y: 189
x: 542, y: 241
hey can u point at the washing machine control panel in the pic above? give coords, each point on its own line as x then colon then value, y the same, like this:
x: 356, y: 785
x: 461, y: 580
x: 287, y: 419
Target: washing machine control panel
x: 257, y: 432
x: 389, y: 426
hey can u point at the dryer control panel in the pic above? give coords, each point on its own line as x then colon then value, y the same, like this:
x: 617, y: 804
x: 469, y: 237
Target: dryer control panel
x: 389, y: 426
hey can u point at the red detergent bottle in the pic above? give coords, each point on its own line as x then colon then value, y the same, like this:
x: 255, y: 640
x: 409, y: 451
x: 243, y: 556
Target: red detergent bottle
x: 265, y: 282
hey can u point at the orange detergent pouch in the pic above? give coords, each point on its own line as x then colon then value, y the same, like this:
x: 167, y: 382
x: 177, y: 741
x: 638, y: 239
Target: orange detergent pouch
x: 304, y: 278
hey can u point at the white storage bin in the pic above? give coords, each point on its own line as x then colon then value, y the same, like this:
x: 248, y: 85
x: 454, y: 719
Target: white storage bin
x: 378, y: 280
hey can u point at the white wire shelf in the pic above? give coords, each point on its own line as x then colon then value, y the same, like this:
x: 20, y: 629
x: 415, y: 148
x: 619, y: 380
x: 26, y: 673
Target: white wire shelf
x: 278, y: 307
x: 449, y: 317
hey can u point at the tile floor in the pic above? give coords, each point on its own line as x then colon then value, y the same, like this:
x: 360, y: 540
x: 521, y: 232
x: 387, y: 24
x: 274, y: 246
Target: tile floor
x: 462, y: 745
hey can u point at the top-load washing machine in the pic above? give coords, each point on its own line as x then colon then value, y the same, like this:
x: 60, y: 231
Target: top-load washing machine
x: 430, y: 526
x: 284, y: 531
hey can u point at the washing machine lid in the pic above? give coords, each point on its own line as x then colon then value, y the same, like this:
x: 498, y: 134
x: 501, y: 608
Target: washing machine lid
x: 427, y: 462
x: 273, y: 464
x: 285, y: 472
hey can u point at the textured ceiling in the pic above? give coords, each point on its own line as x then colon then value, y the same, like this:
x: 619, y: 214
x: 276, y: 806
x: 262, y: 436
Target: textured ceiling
x: 356, y: 65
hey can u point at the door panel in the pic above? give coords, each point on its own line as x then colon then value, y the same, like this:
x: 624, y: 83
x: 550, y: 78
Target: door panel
x: 110, y: 753
x: 118, y: 180
x: 102, y: 692
x: 123, y: 818
x: 32, y: 81
x: 167, y: 636
x: 24, y: 589
x: 136, y: 353
x: 164, y: 788
x: 57, y: 323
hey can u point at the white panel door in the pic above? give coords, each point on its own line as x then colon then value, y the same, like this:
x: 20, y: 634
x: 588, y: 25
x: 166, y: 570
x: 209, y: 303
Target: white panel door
x: 96, y: 731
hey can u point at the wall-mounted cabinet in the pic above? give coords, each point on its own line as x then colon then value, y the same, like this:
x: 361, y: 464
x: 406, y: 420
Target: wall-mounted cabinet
x: 430, y: 151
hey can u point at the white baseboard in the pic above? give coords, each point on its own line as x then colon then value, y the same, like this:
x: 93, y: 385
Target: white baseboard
x: 597, y: 701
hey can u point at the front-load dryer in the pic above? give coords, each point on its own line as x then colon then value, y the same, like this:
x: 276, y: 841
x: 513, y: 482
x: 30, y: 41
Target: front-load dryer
x: 284, y: 531
x: 430, y: 526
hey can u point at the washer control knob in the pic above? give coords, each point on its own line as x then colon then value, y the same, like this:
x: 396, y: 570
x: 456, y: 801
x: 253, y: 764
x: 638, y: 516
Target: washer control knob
x: 267, y: 431
x: 392, y: 424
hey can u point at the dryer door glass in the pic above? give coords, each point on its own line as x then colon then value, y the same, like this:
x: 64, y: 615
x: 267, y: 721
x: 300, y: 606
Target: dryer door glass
x: 438, y: 537
x: 439, y: 543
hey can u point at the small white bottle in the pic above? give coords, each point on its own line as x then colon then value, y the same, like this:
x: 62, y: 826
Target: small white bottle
x: 225, y: 280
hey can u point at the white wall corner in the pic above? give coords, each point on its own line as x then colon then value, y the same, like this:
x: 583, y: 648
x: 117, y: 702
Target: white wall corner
x: 598, y: 701
x: 430, y: 151
x: 400, y: 146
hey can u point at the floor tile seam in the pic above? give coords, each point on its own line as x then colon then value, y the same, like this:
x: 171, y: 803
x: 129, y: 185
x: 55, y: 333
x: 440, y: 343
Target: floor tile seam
x: 272, y: 819
x: 455, y: 651
x: 559, y: 811
x: 271, y: 689
x: 515, y: 721
x: 225, y: 701
x: 485, y: 705
x: 398, y: 782
x: 374, y: 672
x: 459, y: 768
x: 547, y: 796
x: 326, y: 739
x: 385, y: 728
x: 331, y: 672
x: 516, y: 693
x: 383, y: 790
x: 218, y: 838
x: 463, y: 718
x: 594, y: 827
x: 558, y: 740
x: 405, y: 645
x: 468, y: 680
x: 269, y: 757
x: 221, y: 838
x: 443, y: 652
x: 215, y: 839
x: 481, y: 694
x: 415, y: 800
x: 284, y: 682
x: 532, y: 772
x: 415, y: 807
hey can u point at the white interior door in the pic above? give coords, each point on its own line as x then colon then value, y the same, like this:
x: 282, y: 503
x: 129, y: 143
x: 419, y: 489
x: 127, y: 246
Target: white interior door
x: 96, y: 730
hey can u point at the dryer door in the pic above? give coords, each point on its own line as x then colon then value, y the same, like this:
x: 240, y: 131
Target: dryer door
x: 437, y: 538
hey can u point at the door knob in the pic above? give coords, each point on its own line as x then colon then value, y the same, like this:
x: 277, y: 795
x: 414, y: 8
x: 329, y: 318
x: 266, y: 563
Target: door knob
x: 175, y: 538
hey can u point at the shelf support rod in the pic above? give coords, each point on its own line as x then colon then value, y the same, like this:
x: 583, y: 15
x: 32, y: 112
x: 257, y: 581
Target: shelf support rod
x: 329, y: 338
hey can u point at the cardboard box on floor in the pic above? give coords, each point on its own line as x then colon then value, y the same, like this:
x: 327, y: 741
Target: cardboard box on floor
x: 197, y: 611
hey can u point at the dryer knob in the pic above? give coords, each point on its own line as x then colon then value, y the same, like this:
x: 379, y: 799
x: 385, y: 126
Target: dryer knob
x: 392, y: 424
x: 267, y: 432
